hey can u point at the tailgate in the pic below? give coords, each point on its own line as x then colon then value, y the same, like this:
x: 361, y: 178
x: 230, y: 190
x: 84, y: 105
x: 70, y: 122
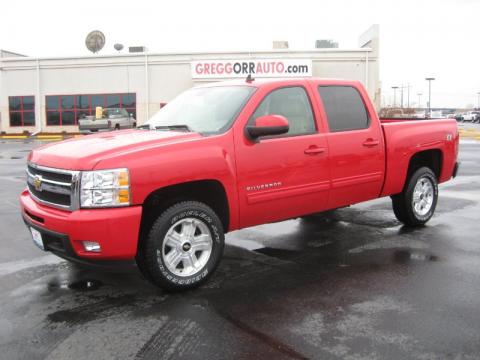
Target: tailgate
x: 93, y: 124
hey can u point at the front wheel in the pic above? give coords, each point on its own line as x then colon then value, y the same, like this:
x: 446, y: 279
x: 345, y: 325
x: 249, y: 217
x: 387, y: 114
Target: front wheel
x: 416, y: 204
x: 183, y: 248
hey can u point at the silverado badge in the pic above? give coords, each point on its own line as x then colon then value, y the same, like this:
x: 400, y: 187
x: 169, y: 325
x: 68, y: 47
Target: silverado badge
x: 264, y: 186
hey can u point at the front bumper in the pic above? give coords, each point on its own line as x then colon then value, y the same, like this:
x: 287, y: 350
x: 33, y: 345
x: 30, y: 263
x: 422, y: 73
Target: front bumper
x: 115, y: 229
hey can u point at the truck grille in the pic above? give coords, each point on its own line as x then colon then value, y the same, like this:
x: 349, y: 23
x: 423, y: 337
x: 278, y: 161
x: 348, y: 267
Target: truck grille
x: 53, y: 187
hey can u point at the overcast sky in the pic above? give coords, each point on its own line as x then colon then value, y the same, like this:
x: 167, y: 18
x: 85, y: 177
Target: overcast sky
x: 417, y: 38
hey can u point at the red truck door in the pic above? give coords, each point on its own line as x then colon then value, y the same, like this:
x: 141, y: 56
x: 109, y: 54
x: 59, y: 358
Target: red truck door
x: 355, y: 141
x: 287, y: 175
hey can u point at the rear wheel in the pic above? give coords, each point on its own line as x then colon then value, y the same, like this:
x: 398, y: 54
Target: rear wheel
x: 416, y: 204
x: 183, y: 248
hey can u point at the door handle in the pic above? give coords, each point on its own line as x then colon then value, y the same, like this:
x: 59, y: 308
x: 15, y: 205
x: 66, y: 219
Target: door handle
x: 314, y: 150
x: 370, y: 143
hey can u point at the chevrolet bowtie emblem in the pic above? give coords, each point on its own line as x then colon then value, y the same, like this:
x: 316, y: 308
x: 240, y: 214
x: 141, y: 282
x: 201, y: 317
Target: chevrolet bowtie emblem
x: 37, y: 182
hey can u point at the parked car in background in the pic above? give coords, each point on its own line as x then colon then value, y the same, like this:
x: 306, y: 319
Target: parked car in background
x: 469, y: 116
x: 457, y: 116
x: 418, y: 115
x: 477, y: 116
x: 112, y: 119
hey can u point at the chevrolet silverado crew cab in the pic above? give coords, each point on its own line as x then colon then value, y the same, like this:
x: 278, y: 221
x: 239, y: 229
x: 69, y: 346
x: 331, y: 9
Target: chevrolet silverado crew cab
x: 227, y: 156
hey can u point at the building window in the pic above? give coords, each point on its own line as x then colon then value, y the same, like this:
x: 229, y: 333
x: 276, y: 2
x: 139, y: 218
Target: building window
x: 21, y: 110
x: 68, y: 109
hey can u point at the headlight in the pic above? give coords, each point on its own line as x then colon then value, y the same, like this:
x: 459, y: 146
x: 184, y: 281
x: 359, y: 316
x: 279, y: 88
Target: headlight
x: 105, y: 188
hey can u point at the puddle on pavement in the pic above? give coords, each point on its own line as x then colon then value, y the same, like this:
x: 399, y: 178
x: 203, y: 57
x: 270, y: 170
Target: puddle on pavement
x: 278, y: 253
x: 85, y: 285
x: 85, y: 312
x: 448, y: 204
x: 403, y: 256
x: 244, y: 243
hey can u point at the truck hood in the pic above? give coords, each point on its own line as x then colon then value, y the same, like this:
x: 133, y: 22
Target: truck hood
x: 83, y: 153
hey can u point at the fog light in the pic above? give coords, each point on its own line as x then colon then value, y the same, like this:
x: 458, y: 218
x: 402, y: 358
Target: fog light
x: 91, y: 246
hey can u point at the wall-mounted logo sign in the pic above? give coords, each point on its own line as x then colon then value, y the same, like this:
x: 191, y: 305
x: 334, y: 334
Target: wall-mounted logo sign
x: 266, y: 68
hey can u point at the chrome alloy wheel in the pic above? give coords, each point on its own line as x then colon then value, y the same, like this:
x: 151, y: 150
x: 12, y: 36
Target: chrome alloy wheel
x: 423, y: 196
x: 187, y: 247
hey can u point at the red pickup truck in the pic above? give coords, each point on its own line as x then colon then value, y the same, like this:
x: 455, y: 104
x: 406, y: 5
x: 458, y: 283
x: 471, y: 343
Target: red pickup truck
x: 227, y: 156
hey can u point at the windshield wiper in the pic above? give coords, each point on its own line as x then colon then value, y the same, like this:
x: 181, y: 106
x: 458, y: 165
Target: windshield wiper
x: 173, y: 127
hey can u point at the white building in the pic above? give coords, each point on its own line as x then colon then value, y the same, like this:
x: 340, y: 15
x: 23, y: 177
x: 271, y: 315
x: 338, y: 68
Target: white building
x: 50, y: 94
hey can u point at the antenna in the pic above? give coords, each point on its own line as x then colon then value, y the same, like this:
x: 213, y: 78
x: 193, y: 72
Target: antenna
x: 95, y: 41
x: 249, y: 78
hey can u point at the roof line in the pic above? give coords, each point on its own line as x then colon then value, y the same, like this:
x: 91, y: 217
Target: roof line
x: 12, y: 52
x: 249, y: 53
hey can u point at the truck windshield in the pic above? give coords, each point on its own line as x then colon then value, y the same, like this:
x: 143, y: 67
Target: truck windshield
x: 208, y: 110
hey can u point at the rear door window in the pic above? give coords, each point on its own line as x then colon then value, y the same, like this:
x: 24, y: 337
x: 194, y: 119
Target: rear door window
x: 344, y: 108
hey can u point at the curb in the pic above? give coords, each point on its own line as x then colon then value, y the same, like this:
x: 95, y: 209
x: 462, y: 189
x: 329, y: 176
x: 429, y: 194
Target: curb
x: 46, y: 137
x: 13, y: 137
x: 469, y: 133
x: 49, y: 137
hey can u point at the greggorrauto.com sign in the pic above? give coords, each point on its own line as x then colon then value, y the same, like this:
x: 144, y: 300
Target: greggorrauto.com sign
x: 219, y: 69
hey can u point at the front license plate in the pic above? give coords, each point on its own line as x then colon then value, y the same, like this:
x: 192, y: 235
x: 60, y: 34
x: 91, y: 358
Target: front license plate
x: 37, y: 238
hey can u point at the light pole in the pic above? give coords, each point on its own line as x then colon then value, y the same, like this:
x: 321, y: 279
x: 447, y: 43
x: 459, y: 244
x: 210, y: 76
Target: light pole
x: 419, y: 97
x: 394, y: 95
x: 478, y: 101
x: 408, y: 95
x: 429, y: 79
x: 401, y: 96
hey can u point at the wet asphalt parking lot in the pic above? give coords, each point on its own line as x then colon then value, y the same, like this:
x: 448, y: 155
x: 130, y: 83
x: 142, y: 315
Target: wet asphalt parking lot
x: 349, y: 284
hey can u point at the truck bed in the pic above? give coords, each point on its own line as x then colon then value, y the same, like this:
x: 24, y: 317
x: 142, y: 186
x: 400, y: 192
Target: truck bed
x: 393, y: 119
x: 405, y: 137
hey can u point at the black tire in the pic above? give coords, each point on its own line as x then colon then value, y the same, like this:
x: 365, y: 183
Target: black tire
x: 150, y: 258
x: 402, y: 203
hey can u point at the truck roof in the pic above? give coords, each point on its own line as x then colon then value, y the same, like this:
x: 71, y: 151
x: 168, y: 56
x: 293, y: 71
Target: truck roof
x: 283, y: 81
